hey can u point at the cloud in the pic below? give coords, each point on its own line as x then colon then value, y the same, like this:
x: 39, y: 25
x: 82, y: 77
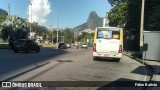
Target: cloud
x: 40, y: 10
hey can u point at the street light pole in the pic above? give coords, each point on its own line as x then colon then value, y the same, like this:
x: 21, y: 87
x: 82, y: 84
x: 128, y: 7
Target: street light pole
x: 57, y: 28
x: 51, y: 32
x: 142, y: 26
x: 30, y: 19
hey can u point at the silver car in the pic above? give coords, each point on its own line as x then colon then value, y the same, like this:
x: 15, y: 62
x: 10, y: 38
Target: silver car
x: 84, y: 46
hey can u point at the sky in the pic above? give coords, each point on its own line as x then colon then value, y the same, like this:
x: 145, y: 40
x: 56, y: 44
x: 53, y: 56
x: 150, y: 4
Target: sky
x: 71, y: 13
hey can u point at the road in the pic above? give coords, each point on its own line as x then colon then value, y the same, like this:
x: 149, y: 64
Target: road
x: 68, y: 65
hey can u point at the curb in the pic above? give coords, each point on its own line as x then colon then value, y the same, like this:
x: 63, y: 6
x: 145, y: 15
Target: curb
x: 143, y: 62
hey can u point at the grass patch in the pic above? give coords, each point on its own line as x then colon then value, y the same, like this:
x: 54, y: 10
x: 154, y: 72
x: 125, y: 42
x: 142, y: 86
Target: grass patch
x: 135, y: 54
x: 50, y: 45
x: 4, y: 46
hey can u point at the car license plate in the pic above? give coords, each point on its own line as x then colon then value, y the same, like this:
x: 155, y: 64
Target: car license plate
x: 106, y: 55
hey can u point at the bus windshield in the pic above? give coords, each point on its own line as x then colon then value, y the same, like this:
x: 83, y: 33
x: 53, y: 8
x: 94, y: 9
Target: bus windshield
x: 108, y: 34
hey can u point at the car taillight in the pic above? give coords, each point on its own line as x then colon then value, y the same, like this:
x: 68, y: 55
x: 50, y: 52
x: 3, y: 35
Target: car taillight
x: 94, y: 47
x: 120, y: 49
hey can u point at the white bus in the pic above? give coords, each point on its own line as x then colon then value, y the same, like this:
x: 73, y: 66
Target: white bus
x: 108, y: 42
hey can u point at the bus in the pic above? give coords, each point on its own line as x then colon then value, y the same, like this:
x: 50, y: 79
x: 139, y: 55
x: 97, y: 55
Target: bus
x: 108, y: 43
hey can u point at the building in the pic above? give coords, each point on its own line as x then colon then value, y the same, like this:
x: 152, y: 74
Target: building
x: 88, y: 30
x: 104, y: 22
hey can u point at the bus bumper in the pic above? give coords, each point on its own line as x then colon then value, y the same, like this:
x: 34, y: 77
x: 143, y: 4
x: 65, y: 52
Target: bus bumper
x: 107, y: 55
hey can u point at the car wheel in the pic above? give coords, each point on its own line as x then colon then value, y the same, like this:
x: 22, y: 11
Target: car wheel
x: 94, y: 59
x: 37, y: 51
x: 26, y: 51
x: 15, y: 51
x: 117, y: 59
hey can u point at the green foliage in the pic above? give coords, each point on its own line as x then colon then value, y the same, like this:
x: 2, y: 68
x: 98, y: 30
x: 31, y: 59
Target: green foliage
x: 128, y: 12
x: 116, y: 2
x: 69, y: 35
x: 152, y: 15
x: 14, y: 27
x: 40, y: 30
x: 118, y: 15
x: 2, y: 18
x: 85, y: 36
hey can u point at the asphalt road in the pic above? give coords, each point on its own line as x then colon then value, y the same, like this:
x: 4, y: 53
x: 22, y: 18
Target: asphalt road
x: 68, y: 65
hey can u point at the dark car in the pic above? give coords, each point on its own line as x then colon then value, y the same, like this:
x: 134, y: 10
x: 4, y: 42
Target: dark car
x: 62, y: 46
x: 25, y: 45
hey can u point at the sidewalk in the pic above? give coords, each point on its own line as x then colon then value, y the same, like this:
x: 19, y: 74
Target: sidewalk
x: 153, y: 65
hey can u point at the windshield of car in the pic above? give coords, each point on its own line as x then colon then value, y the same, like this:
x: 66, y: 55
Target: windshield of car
x: 20, y: 41
x: 62, y: 43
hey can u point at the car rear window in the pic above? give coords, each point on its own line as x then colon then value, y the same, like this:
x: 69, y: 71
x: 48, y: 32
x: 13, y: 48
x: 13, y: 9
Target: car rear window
x: 62, y: 44
x: 20, y: 41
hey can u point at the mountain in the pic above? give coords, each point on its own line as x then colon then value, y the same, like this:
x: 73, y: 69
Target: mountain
x: 3, y: 12
x: 93, y: 21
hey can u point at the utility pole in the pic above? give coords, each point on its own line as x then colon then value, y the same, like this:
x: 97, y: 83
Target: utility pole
x: 51, y: 33
x: 142, y: 26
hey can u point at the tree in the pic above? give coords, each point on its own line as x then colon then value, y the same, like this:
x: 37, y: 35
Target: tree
x: 152, y: 15
x: 2, y: 18
x: 118, y: 15
x: 133, y: 15
x: 14, y: 27
x: 40, y: 30
x: 68, y: 35
x: 116, y: 2
x: 83, y: 37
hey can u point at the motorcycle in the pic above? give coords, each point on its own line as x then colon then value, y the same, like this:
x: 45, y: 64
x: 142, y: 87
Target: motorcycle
x: 77, y: 46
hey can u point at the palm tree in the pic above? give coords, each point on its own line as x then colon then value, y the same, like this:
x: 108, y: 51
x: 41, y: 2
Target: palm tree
x: 14, y: 27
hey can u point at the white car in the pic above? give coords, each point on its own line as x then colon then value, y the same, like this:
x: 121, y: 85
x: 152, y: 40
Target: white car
x: 84, y: 46
x: 68, y: 46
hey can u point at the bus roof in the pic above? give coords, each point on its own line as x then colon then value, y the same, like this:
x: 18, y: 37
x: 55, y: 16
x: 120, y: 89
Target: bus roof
x: 110, y: 27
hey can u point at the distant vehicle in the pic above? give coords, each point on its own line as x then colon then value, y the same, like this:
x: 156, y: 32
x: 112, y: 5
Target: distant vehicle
x: 25, y: 45
x: 62, y: 46
x: 84, y: 46
x: 68, y: 46
x: 108, y: 43
x: 76, y: 44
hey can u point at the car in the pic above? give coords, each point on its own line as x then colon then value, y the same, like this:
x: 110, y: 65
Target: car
x: 62, y: 46
x: 68, y: 46
x: 25, y: 45
x: 84, y: 46
x: 76, y: 44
